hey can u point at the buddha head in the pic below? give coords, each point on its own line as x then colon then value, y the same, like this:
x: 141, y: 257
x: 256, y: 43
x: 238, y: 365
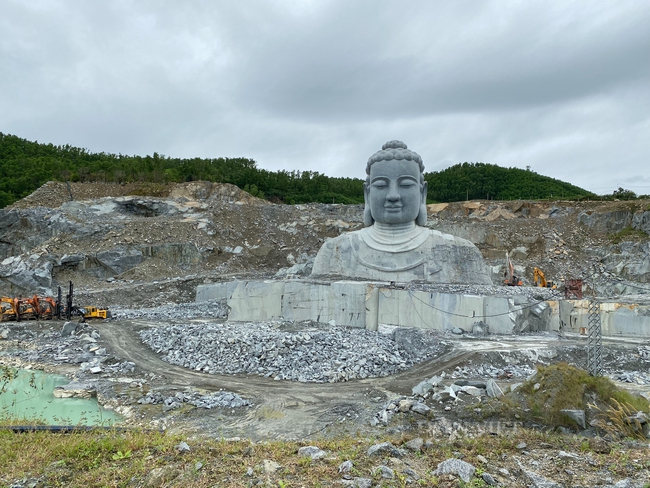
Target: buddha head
x: 395, y: 191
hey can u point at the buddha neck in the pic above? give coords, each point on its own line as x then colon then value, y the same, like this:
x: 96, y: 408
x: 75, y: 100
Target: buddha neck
x: 393, y: 231
x: 394, y: 237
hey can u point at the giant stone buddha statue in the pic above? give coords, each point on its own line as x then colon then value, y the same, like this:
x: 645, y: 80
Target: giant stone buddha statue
x: 396, y: 245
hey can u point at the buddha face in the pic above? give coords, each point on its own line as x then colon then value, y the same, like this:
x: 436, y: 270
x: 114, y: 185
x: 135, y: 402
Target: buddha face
x: 394, y: 194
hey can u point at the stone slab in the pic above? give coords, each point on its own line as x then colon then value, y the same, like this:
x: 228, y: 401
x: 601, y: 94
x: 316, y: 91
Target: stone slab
x: 368, y: 304
x: 256, y: 301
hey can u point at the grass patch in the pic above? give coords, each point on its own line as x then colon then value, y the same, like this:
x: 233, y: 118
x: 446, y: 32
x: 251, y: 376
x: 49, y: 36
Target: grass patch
x: 628, y: 234
x: 132, y: 458
x: 561, y: 386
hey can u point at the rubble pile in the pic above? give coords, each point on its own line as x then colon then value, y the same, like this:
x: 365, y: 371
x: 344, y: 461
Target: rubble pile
x: 174, y: 311
x: 219, y: 399
x: 72, y: 348
x: 316, y: 354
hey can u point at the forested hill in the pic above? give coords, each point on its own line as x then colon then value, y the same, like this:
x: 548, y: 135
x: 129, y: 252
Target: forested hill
x: 480, y: 181
x: 26, y: 165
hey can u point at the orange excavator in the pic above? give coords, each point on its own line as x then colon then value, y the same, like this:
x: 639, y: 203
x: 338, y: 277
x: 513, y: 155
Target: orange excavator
x: 510, y: 278
x: 45, y: 307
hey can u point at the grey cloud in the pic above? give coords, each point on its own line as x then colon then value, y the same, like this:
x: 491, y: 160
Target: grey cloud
x: 561, y: 86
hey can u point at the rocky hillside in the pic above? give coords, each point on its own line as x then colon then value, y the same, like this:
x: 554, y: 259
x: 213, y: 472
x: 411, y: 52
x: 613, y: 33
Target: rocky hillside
x: 112, y: 237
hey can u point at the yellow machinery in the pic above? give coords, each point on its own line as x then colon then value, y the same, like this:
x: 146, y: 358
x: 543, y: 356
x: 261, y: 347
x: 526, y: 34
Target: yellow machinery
x: 540, y: 279
x: 17, y: 309
x: 8, y: 308
x: 96, y: 313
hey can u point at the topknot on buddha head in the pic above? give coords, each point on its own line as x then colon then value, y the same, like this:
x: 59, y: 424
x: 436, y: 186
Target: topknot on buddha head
x: 395, y: 151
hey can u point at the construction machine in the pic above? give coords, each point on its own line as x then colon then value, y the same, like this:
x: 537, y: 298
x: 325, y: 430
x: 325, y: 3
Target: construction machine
x: 541, y: 281
x: 9, y: 309
x: 95, y: 313
x: 26, y: 309
x: 45, y: 307
x: 510, y: 278
x: 17, y: 309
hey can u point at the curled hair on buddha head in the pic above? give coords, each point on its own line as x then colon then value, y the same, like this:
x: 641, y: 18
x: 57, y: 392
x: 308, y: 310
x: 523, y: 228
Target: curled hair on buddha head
x: 395, y: 151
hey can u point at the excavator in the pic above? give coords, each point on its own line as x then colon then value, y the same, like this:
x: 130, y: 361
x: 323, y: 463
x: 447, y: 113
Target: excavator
x: 45, y: 307
x: 8, y: 308
x: 511, y: 279
x: 541, y: 281
x: 17, y: 309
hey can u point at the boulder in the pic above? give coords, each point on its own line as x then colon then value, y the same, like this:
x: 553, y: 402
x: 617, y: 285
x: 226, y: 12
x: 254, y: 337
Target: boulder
x: 312, y: 452
x: 462, y: 469
x: 385, y: 448
x: 119, y: 259
x: 346, y: 466
x: 75, y: 390
x: 161, y: 476
x: 519, y: 253
x: 578, y: 416
x: 420, y: 408
x: 68, y: 329
x: 492, y: 389
x: 415, y: 445
x: 422, y: 388
x: 480, y: 328
x: 500, y: 213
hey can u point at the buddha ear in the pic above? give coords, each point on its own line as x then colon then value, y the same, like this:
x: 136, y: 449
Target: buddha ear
x: 421, y: 219
x: 367, y: 215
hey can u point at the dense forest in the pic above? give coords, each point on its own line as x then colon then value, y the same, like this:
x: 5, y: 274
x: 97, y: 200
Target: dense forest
x: 478, y: 181
x: 26, y: 165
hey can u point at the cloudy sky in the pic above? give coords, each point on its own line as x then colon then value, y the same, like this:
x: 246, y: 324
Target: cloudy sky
x: 560, y: 86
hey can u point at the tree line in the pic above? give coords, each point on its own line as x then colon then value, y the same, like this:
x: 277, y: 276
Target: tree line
x: 481, y: 181
x: 26, y: 165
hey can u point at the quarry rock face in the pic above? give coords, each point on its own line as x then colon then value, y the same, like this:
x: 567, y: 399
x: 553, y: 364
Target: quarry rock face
x: 20, y: 276
x: 204, y: 228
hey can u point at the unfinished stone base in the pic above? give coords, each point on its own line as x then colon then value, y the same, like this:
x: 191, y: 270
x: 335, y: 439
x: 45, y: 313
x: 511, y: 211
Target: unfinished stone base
x: 368, y: 304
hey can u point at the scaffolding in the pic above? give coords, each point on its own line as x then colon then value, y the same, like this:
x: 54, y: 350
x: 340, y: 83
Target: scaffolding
x: 594, y: 340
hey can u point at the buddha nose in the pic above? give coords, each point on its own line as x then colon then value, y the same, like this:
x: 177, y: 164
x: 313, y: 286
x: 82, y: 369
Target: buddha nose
x: 393, y: 194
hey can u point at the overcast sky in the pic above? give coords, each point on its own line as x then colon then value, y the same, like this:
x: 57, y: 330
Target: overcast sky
x: 560, y: 86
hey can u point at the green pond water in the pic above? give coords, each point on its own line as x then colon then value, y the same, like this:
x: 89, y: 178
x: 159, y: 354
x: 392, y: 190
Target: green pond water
x: 29, y: 396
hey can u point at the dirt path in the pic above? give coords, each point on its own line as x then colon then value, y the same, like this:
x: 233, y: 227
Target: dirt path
x: 287, y: 408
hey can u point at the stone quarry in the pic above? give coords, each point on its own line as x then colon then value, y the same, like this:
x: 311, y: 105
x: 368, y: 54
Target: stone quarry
x: 219, y: 328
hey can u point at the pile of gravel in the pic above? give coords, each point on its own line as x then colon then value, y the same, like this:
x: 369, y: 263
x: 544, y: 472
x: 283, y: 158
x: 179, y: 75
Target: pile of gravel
x: 518, y: 371
x: 219, y: 399
x: 212, y: 309
x: 635, y: 377
x: 315, y: 354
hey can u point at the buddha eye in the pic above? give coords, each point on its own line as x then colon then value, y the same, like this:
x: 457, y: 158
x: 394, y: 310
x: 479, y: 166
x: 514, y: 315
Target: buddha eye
x: 407, y: 184
x: 379, y: 185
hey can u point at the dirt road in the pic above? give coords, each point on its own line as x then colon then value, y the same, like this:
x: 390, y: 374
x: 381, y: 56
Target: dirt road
x: 286, y: 408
